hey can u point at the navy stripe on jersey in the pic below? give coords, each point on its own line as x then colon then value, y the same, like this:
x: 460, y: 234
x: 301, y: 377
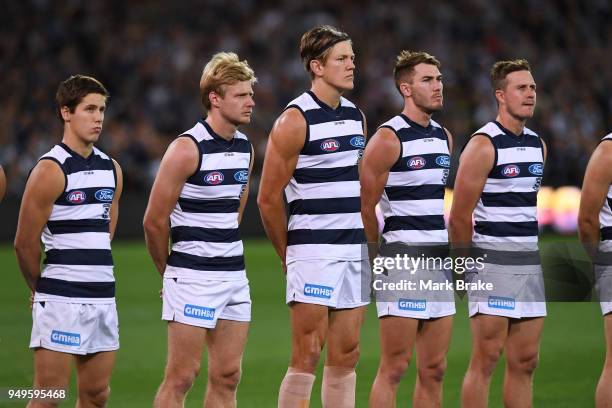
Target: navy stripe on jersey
x: 528, y: 199
x: 326, y: 175
x: 507, y: 229
x: 204, y: 234
x: 79, y: 257
x: 201, y: 263
x: 213, y: 146
x: 93, y: 162
x: 513, y: 170
x: 88, y: 195
x: 412, y: 136
x: 325, y: 236
x: 317, y: 116
x: 222, y: 177
x: 325, y: 206
x: 65, y: 288
x: 414, y: 222
x: 424, y: 192
x: 190, y: 205
x: 422, y: 162
x: 334, y: 144
x: 606, y: 233
x: 77, y: 226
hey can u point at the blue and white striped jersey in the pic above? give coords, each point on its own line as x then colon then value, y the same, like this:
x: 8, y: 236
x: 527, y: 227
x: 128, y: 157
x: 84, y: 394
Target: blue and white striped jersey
x: 78, y: 261
x: 506, y: 211
x: 204, y: 223
x: 323, y: 193
x: 605, y: 215
x: 413, y: 200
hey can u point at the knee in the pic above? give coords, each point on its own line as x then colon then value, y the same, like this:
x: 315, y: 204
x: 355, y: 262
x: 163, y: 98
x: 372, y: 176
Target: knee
x: 307, y: 357
x: 227, y: 379
x: 96, y: 396
x: 180, y: 382
x: 486, y: 360
x: 347, y: 357
x: 525, y: 362
x: 393, y: 371
x: 432, y: 372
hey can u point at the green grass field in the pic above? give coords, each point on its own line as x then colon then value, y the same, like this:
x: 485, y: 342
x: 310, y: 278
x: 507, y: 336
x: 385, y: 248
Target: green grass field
x: 572, y: 349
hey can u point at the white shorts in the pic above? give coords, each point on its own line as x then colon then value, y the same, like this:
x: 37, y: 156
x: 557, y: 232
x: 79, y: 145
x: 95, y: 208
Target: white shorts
x: 603, y: 287
x: 517, y: 295
x: 331, y: 283
x: 201, y: 303
x: 75, y: 328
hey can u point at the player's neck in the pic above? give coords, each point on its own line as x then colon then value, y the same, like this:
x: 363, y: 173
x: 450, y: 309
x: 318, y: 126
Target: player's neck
x: 417, y: 116
x: 77, y: 145
x: 326, y: 93
x: 220, y: 126
x: 513, y: 124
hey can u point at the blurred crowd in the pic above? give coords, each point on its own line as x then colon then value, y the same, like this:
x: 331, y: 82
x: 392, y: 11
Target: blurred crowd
x: 150, y: 54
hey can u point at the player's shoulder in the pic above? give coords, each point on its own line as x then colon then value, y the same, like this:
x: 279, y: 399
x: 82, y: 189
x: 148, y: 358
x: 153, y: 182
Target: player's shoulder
x: 57, y: 154
x: 395, y: 124
x: 530, y: 133
x: 490, y: 129
x: 303, y: 102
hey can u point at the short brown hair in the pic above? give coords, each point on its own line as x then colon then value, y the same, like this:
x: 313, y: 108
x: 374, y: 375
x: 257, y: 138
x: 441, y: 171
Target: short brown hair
x: 501, y: 69
x: 72, y: 91
x: 317, y: 42
x: 407, y: 60
x: 224, y: 68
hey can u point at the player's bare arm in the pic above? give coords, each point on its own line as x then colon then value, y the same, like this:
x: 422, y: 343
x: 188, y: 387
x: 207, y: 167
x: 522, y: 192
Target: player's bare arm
x: 381, y: 152
x: 286, y: 140
x: 2, y: 183
x: 179, y: 162
x: 474, y: 166
x: 114, y: 212
x: 45, y: 184
x: 597, y: 180
x: 245, y: 196
x: 450, y: 141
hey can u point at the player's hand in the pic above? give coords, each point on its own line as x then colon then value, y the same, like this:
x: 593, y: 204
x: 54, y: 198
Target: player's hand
x: 161, y: 293
x: 31, y: 300
x: 284, y: 267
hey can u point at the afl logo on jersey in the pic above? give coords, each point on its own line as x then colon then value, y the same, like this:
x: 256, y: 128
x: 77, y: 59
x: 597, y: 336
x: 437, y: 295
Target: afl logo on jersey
x: 241, y: 176
x: 358, y: 142
x: 536, y: 169
x: 214, y: 177
x: 511, y: 170
x: 443, y: 161
x: 106, y: 194
x: 416, y: 162
x: 330, y: 145
x: 76, y: 197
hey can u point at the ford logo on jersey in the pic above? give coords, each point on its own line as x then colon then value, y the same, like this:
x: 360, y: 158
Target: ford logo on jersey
x: 199, y: 312
x: 65, y: 338
x: 411, y: 304
x: 330, y: 145
x: 241, y: 176
x: 319, y: 291
x: 106, y: 194
x: 443, y: 161
x: 416, y: 162
x: 536, y: 169
x: 358, y: 141
x: 499, y: 302
x: 511, y: 170
x: 76, y: 197
x: 214, y: 177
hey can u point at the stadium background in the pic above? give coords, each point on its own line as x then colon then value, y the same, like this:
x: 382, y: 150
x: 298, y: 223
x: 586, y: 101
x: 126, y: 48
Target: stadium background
x: 150, y: 55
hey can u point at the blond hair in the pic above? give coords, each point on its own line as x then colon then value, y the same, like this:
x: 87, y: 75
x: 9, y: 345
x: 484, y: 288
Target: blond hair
x: 224, y: 68
x: 405, y: 63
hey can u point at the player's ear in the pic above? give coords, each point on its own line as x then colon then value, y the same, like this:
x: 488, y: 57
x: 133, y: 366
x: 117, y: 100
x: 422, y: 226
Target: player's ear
x: 316, y: 67
x: 214, y: 99
x: 405, y: 89
x: 499, y: 95
x: 65, y: 112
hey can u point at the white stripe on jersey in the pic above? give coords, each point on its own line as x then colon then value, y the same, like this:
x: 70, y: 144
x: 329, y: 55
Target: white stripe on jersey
x: 514, y: 185
x: 322, y: 190
x: 425, y: 236
x: 529, y: 154
x: 324, y: 251
x: 218, y: 161
x: 210, y: 192
x: 95, y: 178
x: 95, y: 240
x: 416, y: 178
x: 326, y: 130
x: 420, y: 146
x: 81, y: 212
x: 412, y: 207
x: 209, y: 249
x: 504, y: 214
x: 80, y: 273
x: 207, y: 220
x: 341, y: 159
x: 306, y: 221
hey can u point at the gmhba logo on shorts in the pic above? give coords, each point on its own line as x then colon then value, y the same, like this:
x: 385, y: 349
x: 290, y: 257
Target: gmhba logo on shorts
x: 416, y: 305
x: 500, y: 302
x: 199, y: 312
x: 319, y: 291
x: 65, y: 338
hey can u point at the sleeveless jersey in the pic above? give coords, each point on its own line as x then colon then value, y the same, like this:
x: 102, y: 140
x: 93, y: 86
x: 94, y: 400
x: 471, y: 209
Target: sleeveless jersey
x: 506, y: 210
x: 413, y: 200
x: 78, y: 261
x: 605, y: 216
x: 323, y: 193
x: 204, y: 223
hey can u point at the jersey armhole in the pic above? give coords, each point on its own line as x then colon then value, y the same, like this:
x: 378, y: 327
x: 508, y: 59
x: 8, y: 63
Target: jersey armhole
x: 541, y: 148
x: 401, y: 152
x: 307, y: 137
x: 61, y: 168
x: 199, y: 149
x: 492, y: 143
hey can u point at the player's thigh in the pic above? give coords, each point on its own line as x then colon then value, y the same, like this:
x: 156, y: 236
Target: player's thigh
x: 94, y: 370
x: 433, y: 340
x: 344, y: 329
x: 397, y: 338
x: 608, y: 332
x: 226, y: 343
x: 489, y: 332
x: 51, y: 369
x: 308, y: 320
x: 185, y: 346
x: 524, y: 339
